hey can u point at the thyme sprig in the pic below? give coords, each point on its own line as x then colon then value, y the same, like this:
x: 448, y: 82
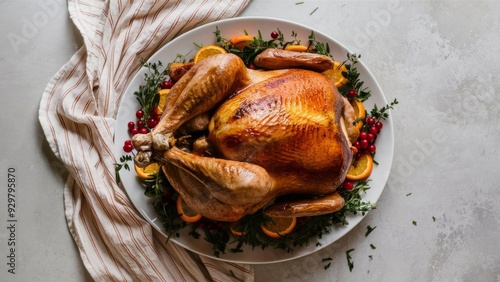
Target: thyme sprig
x: 383, y: 113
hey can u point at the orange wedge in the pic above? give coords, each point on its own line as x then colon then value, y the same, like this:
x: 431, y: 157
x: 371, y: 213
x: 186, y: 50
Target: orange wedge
x: 186, y: 213
x: 360, y: 168
x: 335, y: 73
x: 208, y: 51
x: 296, y: 48
x: 359, y: 110
x: 163, y: 96
x: 278, y: 227
x: 236, y: 229
x: 148, y: 172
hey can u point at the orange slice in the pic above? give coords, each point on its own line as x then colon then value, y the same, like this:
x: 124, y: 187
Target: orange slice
x: 335, y: 73
x: 186, y: 213
x: 241, y: 41
x: 208, y: 51
x: 241, y: 38
x: 360, y: 168
x: 359, y: 110
x: 148, y: 172
x: 163, y: 96
x: 296, y: 48
x: 236, y: 229
x: 278, y: 227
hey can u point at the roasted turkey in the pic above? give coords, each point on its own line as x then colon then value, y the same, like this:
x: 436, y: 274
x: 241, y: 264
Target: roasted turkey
x: 271, y: 133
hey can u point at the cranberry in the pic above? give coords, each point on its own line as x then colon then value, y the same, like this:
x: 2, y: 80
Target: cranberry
x: 143, y: 130
x: 373, y: 130
x: 151, y: 122
x: 351, y: 93
x: 128, y: 148
x: 251, y: 66
x: 153, y: 112
x: 140, y: 124
x: 348, y: 185
x: 364, y: 143
x: 372, y: 148
x: 379, y: 125
x: 128, y: 142
x: 131, y: 125
x: 274, y: 35
x: 167, y: 84
x: 370, y: 121
x: 134, y: 131
x: 139, y: 114
x: 363, y: 135
x: 370, y: 137
x: 357, y: 145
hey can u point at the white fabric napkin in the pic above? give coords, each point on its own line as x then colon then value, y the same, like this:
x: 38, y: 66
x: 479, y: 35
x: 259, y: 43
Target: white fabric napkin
x: 77, y: 113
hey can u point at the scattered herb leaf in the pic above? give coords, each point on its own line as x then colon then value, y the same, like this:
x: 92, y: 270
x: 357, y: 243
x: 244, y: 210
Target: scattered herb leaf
x: 313, y: 11
x: 372, y: 246
x: 433, y: 219
x: 408, y: 194
x: 350, y: 263
x: 369, y: 230
x: 327, y: 266
x: 414, y: 223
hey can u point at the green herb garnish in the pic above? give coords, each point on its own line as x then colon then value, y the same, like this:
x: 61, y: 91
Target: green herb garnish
x: 350, y: 263
x: 123, y: 164
x: 369, y: 230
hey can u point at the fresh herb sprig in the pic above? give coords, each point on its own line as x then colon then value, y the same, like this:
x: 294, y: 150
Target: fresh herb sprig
x: 147, y: 93
x: 123, y: 164
x: 353, y: 79
x: 383, y: 113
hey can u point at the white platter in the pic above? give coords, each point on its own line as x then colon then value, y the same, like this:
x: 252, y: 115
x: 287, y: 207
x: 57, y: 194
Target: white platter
x: 232, y: 27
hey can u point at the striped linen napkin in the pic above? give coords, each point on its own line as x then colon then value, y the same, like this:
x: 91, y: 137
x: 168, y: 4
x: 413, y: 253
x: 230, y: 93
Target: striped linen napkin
x: 77, y: 113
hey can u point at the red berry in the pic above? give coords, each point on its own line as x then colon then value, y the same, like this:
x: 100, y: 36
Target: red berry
x: 372, y: 148
x: 357, y: 145
x: 131, y: 125
x: 363, y: 135
x: 153, y: 112
x: 370, y: 137
x: 348, y: 185
x: 128, y: 142
x: 364, y: 143
x: 370, y: 120
x: 167, y: 84
x: 379, y: 125
x: 140, y: 124
x: 128, y: 148
x: 274, y: 35
x: 139, y: 114
x: 373, y: 130
x: 134, y: 131
x: 143, y: 130
x: 251, y: 66
x: 151, y: 122
x: 351, y: 94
